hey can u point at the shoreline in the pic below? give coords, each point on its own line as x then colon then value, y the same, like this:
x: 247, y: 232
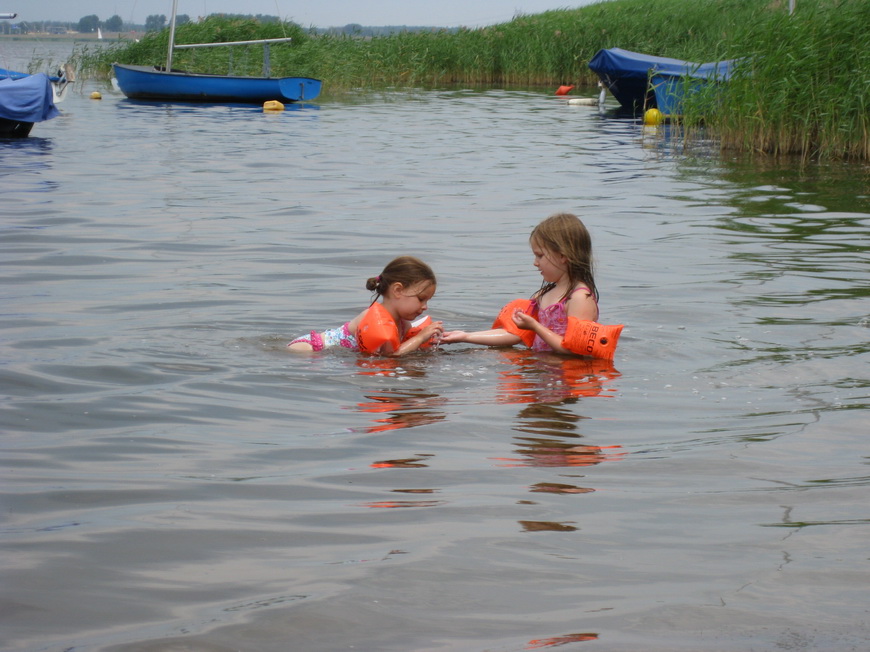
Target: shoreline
x: 74, y: 36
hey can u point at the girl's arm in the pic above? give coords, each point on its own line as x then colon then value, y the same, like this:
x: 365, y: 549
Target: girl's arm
x: 493, y: 337
x: 581, y: 305
x: 529, y: 323
x: 414, y: 343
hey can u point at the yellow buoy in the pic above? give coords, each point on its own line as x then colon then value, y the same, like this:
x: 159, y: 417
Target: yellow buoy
x: 96, y: 95
x: 273, y: 106
x: 653, y: 117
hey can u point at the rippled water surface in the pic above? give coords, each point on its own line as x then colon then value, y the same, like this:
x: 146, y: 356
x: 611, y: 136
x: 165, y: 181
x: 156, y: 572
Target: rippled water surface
x: 173, y: 479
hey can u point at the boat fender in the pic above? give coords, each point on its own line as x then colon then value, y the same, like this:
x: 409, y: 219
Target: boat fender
x: 273, y: 106
x: 564, y: 90
x: 590, y: 338
x: 505, y: 320
x: 583, y: 101
x: 96, y: 95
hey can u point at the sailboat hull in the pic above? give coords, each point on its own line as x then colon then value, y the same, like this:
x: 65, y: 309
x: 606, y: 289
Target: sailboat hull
x: 149, y: 83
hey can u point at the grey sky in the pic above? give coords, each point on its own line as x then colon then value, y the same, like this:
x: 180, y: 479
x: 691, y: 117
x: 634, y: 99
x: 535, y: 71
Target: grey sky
x: 323, y: 13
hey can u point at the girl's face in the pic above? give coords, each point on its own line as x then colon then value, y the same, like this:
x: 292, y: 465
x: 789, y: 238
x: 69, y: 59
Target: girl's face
x: 411, y: 302
x: 551, y: 264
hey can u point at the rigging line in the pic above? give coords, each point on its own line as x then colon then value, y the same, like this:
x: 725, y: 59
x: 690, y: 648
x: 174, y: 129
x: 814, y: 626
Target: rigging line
x: 280, y: 19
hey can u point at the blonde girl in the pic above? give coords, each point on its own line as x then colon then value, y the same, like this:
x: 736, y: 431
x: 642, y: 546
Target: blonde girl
x: 562, y: 315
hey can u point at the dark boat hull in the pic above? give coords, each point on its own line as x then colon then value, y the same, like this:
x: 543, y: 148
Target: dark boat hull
x: 14, y: 128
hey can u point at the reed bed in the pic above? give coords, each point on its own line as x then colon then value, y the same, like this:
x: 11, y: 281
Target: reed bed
x: 802, y: 89
x: 804, y: 86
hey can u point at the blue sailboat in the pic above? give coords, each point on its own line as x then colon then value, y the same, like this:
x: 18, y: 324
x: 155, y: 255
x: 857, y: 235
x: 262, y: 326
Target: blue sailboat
x: 165, y: 84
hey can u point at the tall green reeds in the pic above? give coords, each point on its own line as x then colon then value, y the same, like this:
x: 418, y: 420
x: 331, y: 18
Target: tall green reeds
x: 804, y: 84
x: 548, y: 48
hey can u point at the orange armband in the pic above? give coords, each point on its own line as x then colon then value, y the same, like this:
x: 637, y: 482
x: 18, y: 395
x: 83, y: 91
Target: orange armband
x: 505, y: 320
x: 377, y: 328
x: 585, y: 337
x: 415, y: 329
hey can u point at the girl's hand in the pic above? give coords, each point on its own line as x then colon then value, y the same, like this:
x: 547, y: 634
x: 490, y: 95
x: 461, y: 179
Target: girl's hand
x: 432, y: 329
x: 452, y: 337
x: 524, y: 321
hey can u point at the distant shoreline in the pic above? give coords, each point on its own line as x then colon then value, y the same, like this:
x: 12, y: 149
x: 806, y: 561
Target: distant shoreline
x: 72, y: 36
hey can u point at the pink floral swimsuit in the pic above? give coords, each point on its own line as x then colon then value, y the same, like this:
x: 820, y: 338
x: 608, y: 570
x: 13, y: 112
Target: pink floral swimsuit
x: 554, y: 317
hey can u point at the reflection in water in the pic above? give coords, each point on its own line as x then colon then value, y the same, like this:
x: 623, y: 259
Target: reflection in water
x: 404, y: 463
x: 552, y: 453
x: 406, y: 367
x: 559, y: 488
x: 548, y: 419
x: 408, y: 408
x: 549, y: 387
x: 389, y: 504
x: 546, y: 526
x: 534, y: 378
x: 554, y: 641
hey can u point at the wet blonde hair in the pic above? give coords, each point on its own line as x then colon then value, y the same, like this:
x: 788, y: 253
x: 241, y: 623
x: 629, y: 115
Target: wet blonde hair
x: 566, y: 235
x: 406, y: 270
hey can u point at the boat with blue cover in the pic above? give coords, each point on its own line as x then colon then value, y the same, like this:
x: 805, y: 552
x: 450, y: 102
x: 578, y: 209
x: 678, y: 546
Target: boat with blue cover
x: 23, y: 102
x: 641, y: 81
x: 26, y: 99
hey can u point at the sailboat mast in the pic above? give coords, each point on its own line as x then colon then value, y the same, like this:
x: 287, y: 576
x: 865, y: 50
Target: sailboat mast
x: 171, y: 36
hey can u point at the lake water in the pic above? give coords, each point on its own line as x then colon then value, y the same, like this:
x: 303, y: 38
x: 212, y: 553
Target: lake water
x: 172, y: 479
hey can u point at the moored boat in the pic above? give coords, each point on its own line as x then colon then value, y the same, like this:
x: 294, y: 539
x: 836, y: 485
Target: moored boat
x: 641, y: 81
x: 23, y: 102
x: 164, y: 83
x: 60, y: 82
x: 153, y: 83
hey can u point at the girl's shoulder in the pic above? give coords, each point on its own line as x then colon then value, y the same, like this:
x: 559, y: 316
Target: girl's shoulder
x: 582, y: 303
x: 588, y: 294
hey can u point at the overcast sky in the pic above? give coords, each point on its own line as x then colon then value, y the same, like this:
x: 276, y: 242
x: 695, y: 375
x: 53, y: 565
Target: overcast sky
x: 320, y: 13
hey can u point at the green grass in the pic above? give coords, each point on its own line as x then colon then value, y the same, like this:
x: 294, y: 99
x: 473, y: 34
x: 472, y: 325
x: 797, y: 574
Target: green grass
x: 804, y: 90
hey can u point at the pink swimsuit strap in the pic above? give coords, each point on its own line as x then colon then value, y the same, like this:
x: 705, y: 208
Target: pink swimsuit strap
x: 564, y: 300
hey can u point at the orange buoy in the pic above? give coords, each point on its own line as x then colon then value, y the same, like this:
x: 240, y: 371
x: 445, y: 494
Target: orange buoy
x: 564, y: 90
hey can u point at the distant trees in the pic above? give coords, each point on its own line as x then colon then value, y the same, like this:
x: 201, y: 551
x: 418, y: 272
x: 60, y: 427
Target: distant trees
x: 89, y: 23
x: 114, y: 24
x: 155, y: 22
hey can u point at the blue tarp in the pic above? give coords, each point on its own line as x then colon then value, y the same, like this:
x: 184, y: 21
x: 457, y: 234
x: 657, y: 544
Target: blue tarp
x: 619, y: 63
x: 14, y: 74
x: 28, y: 99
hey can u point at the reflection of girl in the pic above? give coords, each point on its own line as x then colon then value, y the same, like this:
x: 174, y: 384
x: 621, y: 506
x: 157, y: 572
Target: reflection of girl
x: 405, y: 287
x: 562, y: 315
x: 534, y: 378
